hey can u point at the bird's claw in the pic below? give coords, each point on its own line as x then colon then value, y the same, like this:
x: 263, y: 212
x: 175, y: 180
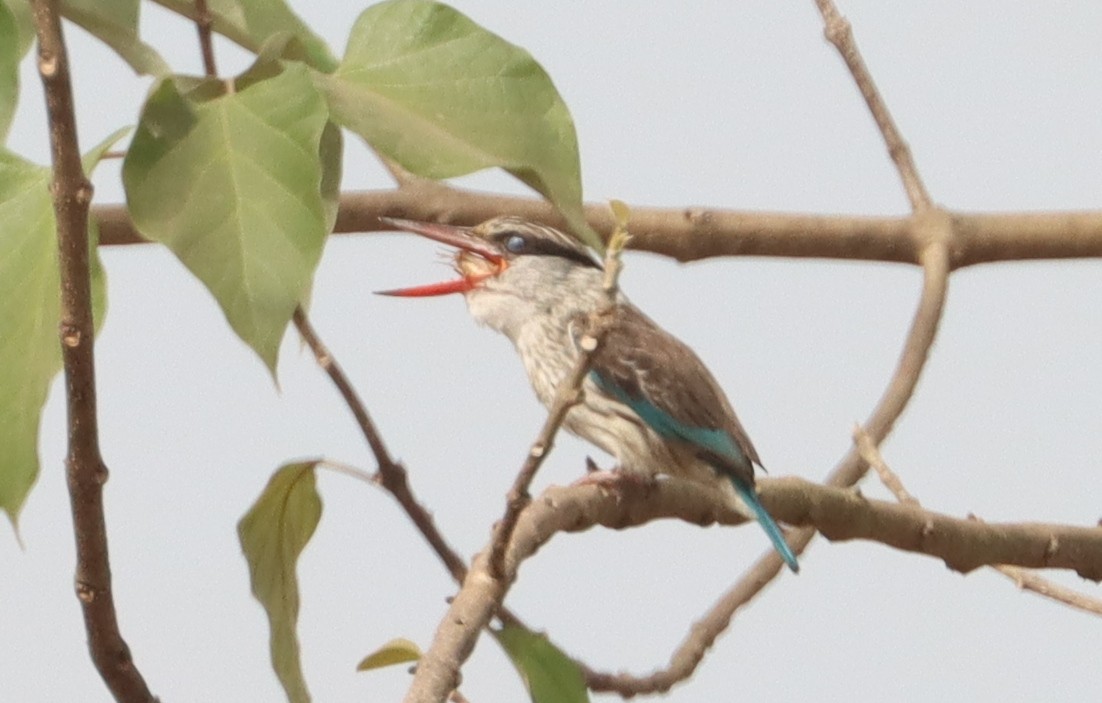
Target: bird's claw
x: 614, y: 480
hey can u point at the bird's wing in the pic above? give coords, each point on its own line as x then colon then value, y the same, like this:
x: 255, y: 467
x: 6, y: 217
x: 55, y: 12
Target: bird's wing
x: 664, y: 382
x: 667, y: 385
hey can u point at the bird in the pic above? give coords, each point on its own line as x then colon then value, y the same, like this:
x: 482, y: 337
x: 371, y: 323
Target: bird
x: 648, y: 400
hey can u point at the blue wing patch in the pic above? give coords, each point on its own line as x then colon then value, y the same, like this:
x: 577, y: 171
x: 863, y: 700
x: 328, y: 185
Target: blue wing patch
x: 715, y: 441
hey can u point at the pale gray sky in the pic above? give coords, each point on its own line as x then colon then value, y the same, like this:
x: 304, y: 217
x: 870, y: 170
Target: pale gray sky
x: 738, y: 105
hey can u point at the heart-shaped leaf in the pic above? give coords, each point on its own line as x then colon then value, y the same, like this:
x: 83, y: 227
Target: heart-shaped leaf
x: 240, y: 185
x: 30, y: 309
x: 115, y: 23
x: 442, y: 96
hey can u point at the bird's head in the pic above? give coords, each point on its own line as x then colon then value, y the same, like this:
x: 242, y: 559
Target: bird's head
x: 501, y: 253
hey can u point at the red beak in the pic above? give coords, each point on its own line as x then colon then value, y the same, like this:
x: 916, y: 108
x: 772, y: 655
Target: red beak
x: 458, y: 237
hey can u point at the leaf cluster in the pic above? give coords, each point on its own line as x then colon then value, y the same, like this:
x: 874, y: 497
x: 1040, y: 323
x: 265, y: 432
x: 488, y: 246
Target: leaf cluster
x: 240, y: 176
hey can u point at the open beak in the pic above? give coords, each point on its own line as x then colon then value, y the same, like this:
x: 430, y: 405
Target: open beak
x: 461, y: 238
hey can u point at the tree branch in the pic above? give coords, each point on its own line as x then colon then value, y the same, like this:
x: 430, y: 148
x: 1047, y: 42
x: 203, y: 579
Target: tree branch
x: 692, y: 233
x: 839, y: 514
x: 86, y: 470
x: 1024, y: 579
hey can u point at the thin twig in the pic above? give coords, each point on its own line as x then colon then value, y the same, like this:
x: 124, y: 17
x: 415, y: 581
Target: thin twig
x: 1029, y: 581
x: 203, y: 23
x: 568, y: 395
x: 916, y: 350
x: 349, y: 470
x: 1026, y: 580
x: 839, y: 33
x: 871, y: 454
x: 86, y: 470
x: 392, y: 475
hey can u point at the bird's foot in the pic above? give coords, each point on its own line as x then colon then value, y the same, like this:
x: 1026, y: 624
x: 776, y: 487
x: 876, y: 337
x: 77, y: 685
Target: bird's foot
x: 604, y: 478
x: 614, y: 480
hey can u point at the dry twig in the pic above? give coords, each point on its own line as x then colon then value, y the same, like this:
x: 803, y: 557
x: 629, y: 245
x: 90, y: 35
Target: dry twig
x: 392, y: 475
x: 839, y: 32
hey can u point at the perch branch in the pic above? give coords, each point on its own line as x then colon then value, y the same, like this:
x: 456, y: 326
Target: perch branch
x: 86, y: 470
x: 839, y: 514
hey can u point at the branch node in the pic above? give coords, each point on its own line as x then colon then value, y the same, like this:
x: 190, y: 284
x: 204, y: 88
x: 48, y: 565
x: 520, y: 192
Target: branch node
x: 70, y: 335
x: 1052, y: 548
x: 47, y: 64
x: 85, y: 593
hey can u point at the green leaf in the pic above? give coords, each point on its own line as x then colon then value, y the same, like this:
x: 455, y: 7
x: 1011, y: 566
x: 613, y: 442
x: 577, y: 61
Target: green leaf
x: 250, y: 23
x: 550, y: 675
x: 115, y: 23
x: 396, y: 651
x: 239, y: 186
x: 331, y: 155
x: 24, y: 24
x: 30, y: 309
x: 443, y: 97
x: 273, y: 534
x: 9, y: 68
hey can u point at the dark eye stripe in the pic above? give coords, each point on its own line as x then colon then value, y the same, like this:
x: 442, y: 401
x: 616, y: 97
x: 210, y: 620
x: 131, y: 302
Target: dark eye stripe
x: 546, y: 247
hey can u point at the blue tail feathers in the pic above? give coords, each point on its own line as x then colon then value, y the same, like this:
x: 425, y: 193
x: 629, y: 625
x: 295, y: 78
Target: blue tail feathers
x: 767, y: 523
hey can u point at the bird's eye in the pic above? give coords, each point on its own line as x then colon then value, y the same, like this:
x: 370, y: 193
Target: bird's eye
x: 515, y: 243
